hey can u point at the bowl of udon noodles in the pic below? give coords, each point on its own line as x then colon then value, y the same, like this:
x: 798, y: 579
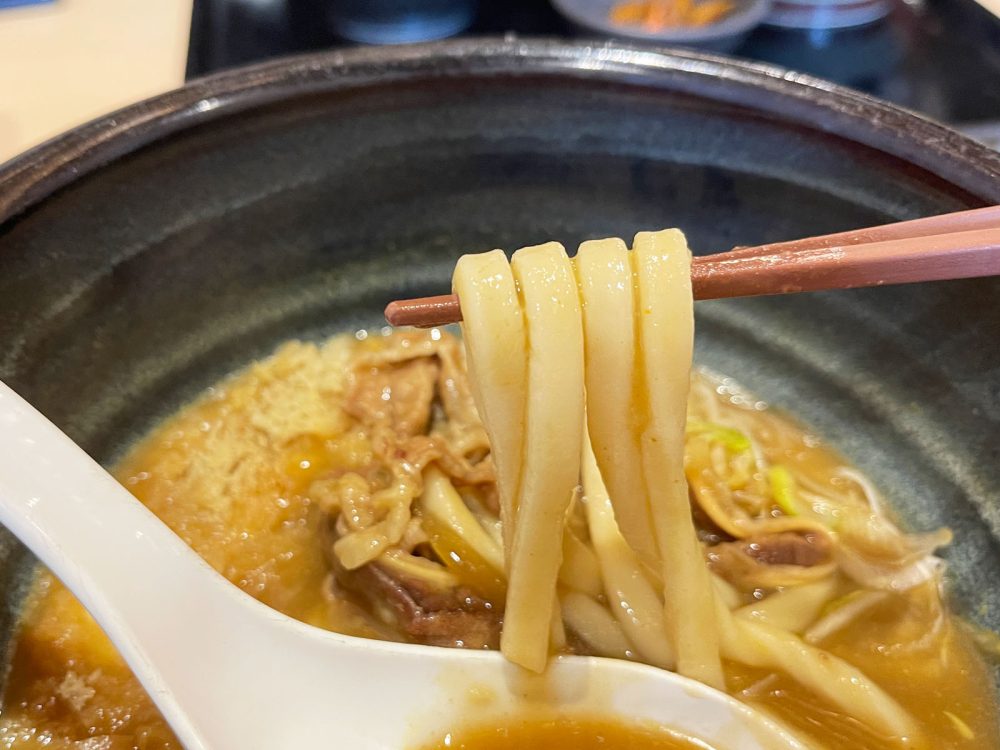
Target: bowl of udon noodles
x: 803, y: 511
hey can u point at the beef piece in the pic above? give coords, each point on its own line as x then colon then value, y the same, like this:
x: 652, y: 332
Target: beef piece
x: 413, y: 396
x: 398, y: 396
x: 421, y: 609
x: 436, y: 617
x: 788, y: 548
x: 772, y: 560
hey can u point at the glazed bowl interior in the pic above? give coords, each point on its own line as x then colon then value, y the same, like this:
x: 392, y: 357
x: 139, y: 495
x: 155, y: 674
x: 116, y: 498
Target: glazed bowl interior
x: 147, y: 255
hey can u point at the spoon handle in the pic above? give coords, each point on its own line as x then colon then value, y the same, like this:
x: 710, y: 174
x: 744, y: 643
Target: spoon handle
x: 127, y: 568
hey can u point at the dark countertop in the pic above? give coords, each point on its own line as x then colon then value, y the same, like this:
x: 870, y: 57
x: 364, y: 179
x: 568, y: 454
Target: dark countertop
x: 939, y: 57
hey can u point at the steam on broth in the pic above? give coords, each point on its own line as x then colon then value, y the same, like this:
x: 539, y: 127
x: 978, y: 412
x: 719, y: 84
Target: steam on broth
x: 352, y: 485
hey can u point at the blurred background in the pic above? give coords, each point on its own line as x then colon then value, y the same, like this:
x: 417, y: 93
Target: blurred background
x: 65, y: 61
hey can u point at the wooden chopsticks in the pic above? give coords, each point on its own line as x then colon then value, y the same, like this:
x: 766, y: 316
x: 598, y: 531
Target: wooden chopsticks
x: 958, y: 245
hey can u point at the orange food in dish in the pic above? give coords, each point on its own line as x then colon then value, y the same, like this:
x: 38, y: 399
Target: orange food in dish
x: 659, y: 15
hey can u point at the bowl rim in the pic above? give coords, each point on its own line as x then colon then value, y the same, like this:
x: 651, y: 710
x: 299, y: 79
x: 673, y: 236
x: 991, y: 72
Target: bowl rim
x: 746, y: 16
x: 31, y: 177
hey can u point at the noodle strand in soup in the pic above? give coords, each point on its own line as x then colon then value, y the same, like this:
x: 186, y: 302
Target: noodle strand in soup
x: 759, y: 645
x: 632, y: 597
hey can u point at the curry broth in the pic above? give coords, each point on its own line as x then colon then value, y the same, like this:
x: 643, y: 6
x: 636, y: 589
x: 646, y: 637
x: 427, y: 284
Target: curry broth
x: 231, y: 475
x: 562, y: 734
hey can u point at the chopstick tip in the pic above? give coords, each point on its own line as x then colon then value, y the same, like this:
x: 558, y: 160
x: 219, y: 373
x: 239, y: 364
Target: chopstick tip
x: 393, y: 312
x: 424, y: 312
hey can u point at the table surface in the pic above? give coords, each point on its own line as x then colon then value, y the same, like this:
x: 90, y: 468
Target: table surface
x: 66, y: 62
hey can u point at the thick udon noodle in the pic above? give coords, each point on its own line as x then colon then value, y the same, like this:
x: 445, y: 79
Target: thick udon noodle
x: 353, y: 485
x: 637, y: 330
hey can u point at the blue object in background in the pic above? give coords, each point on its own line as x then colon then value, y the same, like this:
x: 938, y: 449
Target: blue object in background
x: 15, y: 3
x: 399, y: 21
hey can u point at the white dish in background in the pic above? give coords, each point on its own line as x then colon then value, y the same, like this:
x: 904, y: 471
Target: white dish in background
x: 826, y: 14
x: 722, y: 36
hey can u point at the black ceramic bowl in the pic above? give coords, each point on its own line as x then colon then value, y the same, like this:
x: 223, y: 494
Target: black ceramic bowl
x: 144, y: 255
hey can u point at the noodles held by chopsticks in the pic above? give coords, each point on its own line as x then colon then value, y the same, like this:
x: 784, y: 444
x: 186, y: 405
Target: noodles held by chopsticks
x: 605, y: 278
x: 496, y: 351
x: 665, y: 314
x: 637, y: 320
x: 581, y: 372
x: 553, y: 419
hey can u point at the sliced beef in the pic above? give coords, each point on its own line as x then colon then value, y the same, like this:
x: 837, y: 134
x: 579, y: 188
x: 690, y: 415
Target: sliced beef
x: 772, y: 560
x: 452, y: 617
x: 420, y: 609
x: 397, y: 396
x: 415, y: 399
x: 411, y: 395
x: 788, y: 548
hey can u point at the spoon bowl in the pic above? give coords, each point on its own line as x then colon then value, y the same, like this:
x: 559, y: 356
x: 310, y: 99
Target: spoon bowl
x: 228, y: 671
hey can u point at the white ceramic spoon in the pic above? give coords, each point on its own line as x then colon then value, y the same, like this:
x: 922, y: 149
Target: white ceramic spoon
x: 227, y: 671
